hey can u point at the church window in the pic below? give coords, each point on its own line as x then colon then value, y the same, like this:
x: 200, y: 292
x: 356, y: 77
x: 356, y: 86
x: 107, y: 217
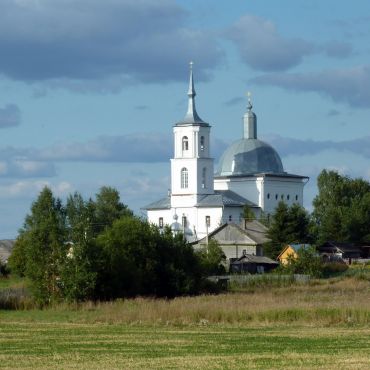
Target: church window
x: 160, y: 222
x: 282, y: 196
x: 230, y: 218
x: 288, y: 197
x: 202, y: 143
x: 204, y: 175
x: 185, y: 143
x: 183, y: 222
x: 268, y: 195
x: 184, y: 178
x: 208, y: 221
x: 276, y: 196
x: 296, y: 197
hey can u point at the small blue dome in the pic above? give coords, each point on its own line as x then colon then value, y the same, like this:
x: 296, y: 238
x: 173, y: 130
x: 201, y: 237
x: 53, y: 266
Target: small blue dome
x: 249, y: 156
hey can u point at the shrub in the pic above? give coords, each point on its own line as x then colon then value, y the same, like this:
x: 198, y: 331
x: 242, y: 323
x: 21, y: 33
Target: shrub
x: 331, y: 268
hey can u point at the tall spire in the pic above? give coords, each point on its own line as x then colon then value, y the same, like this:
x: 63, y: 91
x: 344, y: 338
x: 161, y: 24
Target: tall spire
x: 192, y: 115
x: 250, y: 121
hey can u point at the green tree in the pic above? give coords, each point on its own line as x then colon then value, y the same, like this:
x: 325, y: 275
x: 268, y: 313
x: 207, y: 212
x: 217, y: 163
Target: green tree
x: 44, y: 237
x: 78, y: 272
x: 18, y: 260
x: 248, y: 214
x: 307, y: 262
x: 140, y: 260
x: 108, y: 208
x: 288, y: 225
x: 212, y: 258
x: 341, y: 209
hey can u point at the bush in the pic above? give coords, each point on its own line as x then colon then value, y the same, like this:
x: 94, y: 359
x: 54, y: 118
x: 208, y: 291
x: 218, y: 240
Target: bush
x: 331, y: 268
x: 4, y: 269
x: 306, y: 263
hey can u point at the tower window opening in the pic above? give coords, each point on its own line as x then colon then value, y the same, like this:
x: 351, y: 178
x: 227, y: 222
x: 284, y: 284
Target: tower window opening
x: 184, y: 178
x: 185, y: 143
x: 204, y: 175
x: 208, y: 221
x: 184, y: 221
x: 202, y: 143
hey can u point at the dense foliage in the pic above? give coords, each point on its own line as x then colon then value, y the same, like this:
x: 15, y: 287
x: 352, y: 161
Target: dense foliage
x: 97, y: 249
x: 307, y: 262
x: 288, y: 225
x: 341, y: 209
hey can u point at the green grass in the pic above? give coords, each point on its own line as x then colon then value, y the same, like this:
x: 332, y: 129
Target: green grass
x: 94, y: 346
x: 321, y: 325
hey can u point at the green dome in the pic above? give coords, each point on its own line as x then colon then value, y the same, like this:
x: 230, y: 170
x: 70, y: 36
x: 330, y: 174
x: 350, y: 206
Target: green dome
x: 249, y: 156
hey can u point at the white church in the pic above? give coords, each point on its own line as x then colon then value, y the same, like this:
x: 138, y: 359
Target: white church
x: 250, y: 172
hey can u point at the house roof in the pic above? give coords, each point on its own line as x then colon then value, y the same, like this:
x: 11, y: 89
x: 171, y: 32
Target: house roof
x: 232, y: 234
x: 295, y: 247
x: 342, y: 247
x: 245, y: 258
x: 6, y: 247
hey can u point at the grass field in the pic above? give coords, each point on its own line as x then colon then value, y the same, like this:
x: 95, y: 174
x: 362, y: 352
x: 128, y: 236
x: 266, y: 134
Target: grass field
x: 322, y: 325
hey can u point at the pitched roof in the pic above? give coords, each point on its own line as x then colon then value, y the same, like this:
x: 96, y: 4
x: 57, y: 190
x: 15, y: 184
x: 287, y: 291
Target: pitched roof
x: 254, y: 259
x: 295, y: 247
x: 230, y: 233
x: 224, y: 198
x: 164, y: 203
x: 220, y: 198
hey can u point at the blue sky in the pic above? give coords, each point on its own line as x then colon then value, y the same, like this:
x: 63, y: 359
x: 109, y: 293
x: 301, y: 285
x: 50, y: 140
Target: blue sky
x: 90, y: 89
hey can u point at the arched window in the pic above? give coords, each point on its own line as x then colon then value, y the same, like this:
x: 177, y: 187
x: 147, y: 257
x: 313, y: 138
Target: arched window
x: 202, y: 143
x: 204, y: 175
x: 185, y: 143
x: 296, y: 197
x: 184, y: 178
x: 268, y: 195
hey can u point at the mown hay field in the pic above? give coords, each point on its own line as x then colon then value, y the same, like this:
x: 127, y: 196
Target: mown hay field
x: 323, y: 325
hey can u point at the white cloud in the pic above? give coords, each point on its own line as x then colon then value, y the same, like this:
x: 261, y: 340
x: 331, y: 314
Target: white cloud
x: 101, y: 45
x: 30, y: 189
x: 348, y: 85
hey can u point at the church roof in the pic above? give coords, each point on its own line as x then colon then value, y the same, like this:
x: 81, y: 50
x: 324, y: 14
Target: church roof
x: 224, y: 198
x: 249, y: 155
x: 164, y: 203
x: 191, y: 117
x: 220, y: 198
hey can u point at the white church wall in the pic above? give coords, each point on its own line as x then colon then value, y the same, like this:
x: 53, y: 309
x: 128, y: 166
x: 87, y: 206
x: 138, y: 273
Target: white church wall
x: 246, y: 187
x: 280, y: 189
x: 215, y: 215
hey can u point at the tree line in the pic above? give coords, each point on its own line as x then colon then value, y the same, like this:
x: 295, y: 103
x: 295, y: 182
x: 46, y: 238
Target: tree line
x: 341, y: 212
x: 98, y: 250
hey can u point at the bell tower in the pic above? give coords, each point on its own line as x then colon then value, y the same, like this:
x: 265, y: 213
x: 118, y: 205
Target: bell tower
x: 191, y: 166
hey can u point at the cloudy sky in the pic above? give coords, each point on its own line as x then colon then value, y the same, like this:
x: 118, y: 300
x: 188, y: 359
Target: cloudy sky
x: 90, y: 89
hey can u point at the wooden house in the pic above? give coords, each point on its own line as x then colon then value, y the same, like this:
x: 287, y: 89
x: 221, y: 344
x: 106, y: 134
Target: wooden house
x: 290, y: 251
x: 252, y: 264
x: 236, y: 240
